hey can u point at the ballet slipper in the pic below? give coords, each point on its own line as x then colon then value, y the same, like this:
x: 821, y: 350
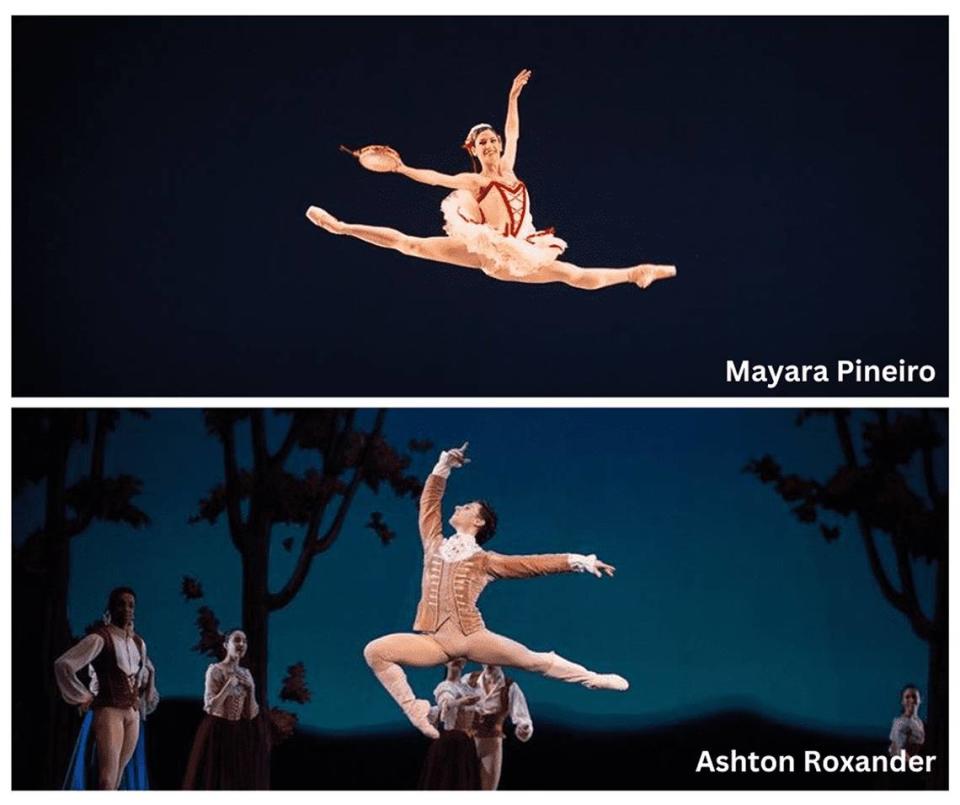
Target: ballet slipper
x: 607, y: 682
x: 417, y: 711
x: 323, y: 219
x: 645, y: 275
x: 561, y: 668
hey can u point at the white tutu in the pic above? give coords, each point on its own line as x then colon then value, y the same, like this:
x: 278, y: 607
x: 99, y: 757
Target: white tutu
x: 499, y: 254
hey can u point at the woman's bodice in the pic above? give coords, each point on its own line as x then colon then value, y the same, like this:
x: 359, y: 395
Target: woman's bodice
x: 506, y: 208
x: 238, y: 701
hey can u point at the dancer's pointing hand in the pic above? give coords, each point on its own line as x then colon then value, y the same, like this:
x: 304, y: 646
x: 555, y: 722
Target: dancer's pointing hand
x: 519, y: 83
x: 458, y: 455
x: 603, y: 567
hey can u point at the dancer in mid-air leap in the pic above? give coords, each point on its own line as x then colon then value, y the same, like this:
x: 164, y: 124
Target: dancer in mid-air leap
x: 455, y: 571
x: 488, y: 220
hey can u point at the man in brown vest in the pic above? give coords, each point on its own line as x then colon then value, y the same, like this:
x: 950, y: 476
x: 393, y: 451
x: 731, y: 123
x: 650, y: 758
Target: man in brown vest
x: 455, y: 571
x: 124, y: 685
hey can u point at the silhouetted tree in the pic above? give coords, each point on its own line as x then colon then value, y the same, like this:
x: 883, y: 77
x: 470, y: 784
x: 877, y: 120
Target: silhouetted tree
x: 254, y: 499
x: 44, y: 442
x: 892, y: 489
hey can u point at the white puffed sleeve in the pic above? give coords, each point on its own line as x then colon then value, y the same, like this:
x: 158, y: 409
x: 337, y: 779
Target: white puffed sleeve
x: 447, y: 694
x: 520, y: 713
x: 65, y: 669
x: 253, y: 709
x: 212, y: 684
x: 149, y: 696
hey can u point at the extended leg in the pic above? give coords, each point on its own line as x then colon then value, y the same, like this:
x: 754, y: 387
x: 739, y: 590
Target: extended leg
x: 592, y: 279
x: 490, y: 753
x: 493, y: 649
x: 108, y: 732
x: 385, y: 655
x: 438, y: 249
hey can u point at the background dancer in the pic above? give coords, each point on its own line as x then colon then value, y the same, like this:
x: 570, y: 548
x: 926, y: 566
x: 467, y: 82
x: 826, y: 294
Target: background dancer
x: 499, y: 698
x: 123, y: 693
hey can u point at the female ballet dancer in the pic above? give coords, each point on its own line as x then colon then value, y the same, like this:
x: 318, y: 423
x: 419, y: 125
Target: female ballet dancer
x: 452, y: 762
x: 488, y: 220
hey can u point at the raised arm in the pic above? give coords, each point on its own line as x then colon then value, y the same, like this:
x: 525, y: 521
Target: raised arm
x: 511, y: 129
x: 431, y: 522
x: 459, y: 181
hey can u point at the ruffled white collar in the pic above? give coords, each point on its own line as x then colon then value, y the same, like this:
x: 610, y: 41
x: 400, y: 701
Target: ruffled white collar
x: 459, y: 547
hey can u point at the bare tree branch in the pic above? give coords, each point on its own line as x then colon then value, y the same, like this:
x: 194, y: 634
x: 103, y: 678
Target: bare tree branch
x: 907, y: 604
x: 232, y: 492
x: 83, y: 519
x: 289, y: 442
x: 334, y: 531
x: 258, y: 433
x: 933, y: 491
x: 311, y: 545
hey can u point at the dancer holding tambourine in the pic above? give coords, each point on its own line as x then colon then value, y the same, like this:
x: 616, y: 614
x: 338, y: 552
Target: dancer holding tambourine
x: 487, y: 217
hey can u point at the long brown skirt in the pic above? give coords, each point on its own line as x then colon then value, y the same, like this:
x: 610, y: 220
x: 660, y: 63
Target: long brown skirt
x: 228, y: 755
x: 451, y: 764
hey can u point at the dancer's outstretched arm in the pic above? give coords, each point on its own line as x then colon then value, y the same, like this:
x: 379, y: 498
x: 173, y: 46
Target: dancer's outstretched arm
x: 500, y: 566
x: 511, y: 129
x: 459, y: 181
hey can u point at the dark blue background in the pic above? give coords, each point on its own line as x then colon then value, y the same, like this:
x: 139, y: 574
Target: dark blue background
x: 793, y: 169
x: 721, y: 598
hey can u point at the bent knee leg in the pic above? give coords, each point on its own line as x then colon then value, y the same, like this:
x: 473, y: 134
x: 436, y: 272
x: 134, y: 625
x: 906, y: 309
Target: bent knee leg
x: 389, y: 649
x: 372, y: 653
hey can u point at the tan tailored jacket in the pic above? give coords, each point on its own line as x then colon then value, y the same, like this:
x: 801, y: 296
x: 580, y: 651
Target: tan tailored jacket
x: 470, y: 575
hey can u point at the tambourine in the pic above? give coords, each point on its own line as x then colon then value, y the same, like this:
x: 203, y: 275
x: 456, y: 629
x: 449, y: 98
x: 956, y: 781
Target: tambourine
x: 377, y: 158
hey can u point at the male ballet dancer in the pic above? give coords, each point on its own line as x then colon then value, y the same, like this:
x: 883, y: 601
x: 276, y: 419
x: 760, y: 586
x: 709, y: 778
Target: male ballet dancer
x: 455, y: 571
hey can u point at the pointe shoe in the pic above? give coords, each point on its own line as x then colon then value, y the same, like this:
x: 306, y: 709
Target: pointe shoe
x: 646, y: 275
x: 606, y: 682
x: 323, y: 219
x: 417, y: 712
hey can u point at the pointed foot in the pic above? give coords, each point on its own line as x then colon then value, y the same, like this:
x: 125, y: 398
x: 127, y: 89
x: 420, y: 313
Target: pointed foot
x: 607, y: 682
x: 645, y: 275
x: 323, y: 219
x: 417, y: 711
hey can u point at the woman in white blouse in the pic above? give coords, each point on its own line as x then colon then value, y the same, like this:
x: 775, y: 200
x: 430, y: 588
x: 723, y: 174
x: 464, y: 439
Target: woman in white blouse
x: 451, y: 762
x: 229, y: 751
